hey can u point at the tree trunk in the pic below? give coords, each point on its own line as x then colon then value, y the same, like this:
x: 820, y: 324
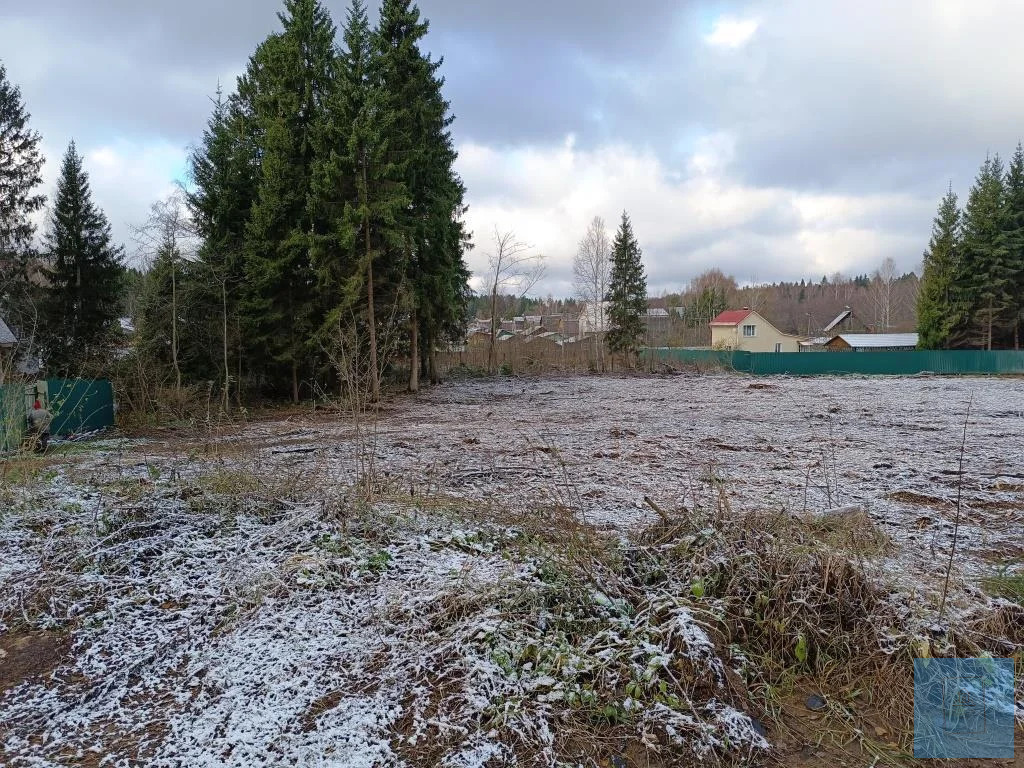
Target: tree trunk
x: 414, y: 353
x: 371, y: 322
x: 426, y: 343
x: 435, y: 374
x: 238, y: 378
x: 491, y: 367
x: 295, y: 380
x: 174, y: 327
x: 371, y: 317
x: 227, y: 368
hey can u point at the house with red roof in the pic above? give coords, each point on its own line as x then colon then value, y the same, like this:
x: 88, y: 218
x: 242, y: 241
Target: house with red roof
x: 747, y: 331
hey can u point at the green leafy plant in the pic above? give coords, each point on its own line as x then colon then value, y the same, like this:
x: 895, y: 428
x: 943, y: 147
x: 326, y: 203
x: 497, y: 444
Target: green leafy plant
x: 800, y: 649
x: 378, y: 562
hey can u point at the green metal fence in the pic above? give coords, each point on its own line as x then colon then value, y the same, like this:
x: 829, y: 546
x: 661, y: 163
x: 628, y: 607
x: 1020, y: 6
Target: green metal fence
x: 946, y: 362
x: 80, y: 405
x: 701, y: 359
x: 12, y: 417
x: 77, y: 405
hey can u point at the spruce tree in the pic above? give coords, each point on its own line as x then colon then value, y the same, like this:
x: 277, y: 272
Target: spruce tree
x: 627, y: 293
x: 982, y: 299
x: 159, y: 313
x: 223, y: 189
x: 400, y: 72
x: 1014, y: 222
x: 82, y: 300
x: 359, y: 195
x: 291, y: 78
x: 20, y: 176
x: 220, y: 201
x: 419, y: 141
x: 440, y: 280
x: 935, y: 307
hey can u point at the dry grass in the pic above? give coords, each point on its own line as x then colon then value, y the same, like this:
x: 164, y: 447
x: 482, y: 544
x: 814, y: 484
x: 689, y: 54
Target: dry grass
x: 787, y: 600
x: 790, y: 600
x: 521, y: 356
x: 794, y: 597
x: 1005, y: 585
x: 791, y: 603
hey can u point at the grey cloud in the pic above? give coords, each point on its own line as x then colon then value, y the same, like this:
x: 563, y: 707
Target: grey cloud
x: 514, y: 70
x: 827, y: 98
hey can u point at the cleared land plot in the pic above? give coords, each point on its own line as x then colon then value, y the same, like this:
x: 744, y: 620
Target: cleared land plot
x: 566, y: 570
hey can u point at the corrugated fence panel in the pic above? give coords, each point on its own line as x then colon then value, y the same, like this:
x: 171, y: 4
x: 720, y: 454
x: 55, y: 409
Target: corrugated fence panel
x: 701, y: 358
x: 80, y: 405
x: 12, y: 417
x: 882, y: 363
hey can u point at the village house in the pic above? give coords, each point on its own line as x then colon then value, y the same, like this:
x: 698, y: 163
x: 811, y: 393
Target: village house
x: 846, y: 321
x: 745, y: 330
x: 552, y: 322
x: 657, y: 324
x: 593, y: 317
x: 8, y: 342
x: 872, y: 342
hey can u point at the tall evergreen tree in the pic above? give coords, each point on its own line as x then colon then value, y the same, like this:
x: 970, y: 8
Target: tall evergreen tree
x: 440, y: 280
x: 223, y: 188
x: 627, y: 292
x: 158, y: 315
x: 359, y: 194
x: 291, y: 79
x: 935, y: 300
x: 1014, y: 222
x: 82, y: 301
x: 20, y: 176
x: 419, y: 140
x: 220, y: 202
x: 341, y: 166
x: 982, y: 301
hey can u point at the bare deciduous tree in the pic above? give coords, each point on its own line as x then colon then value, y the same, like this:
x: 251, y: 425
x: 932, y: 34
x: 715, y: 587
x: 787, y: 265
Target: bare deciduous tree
x: 168, y: 231
x: 840, y: 285
x: 360, y: 369
x: 591, y: 272
x: 218, y: 274
x: 513, y: 266
x: 882, y: 282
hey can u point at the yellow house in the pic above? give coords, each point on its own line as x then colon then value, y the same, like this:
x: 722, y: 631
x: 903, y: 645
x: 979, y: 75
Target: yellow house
x: 747, y: 331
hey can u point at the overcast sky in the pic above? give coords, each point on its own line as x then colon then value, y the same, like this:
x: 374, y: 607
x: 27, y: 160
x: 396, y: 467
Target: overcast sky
x: 774, y: 140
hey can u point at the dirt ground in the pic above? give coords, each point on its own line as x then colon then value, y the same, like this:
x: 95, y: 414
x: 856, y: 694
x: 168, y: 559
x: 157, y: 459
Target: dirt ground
x: 29, y: 656
x: 891, y: 445
x: 209, y: 597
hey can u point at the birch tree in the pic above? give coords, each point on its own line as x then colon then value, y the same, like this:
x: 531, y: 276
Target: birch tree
x: 164, y: 240
x: 513, y: 265
x: 591, y: 272
x: 881, y: 292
